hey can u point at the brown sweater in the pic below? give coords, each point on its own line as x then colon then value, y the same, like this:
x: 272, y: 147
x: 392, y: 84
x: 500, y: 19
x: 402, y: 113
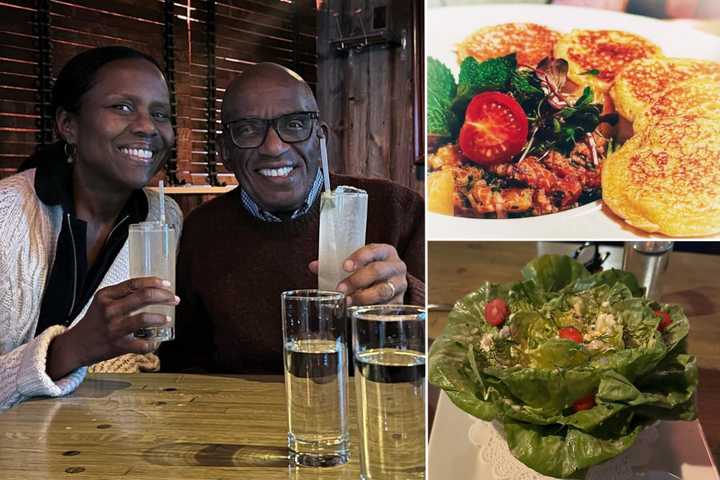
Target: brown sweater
x: 233, y: 267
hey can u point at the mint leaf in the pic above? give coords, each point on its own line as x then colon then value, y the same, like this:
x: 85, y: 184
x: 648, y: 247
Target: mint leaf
x: 440, y: 80
x: 441, y: 88
x: 493, y: 74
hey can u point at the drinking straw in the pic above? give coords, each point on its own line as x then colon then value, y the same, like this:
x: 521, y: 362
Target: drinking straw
x: 162, y: 201
x: 166, y: 233
x: 324, y: 159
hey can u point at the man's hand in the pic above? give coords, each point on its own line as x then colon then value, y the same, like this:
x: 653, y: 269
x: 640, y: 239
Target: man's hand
x: 376, y: 275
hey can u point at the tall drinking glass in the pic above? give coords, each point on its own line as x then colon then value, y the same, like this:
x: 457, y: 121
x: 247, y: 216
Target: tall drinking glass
x: 151, y: 248
x: 389, y: 351
x: 648, y: 261
x: 316, y: 377
x: 343, y: 217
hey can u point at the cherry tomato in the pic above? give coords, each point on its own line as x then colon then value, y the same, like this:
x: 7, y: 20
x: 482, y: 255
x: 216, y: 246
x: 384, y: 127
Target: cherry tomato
x: 571, y: 333
x: 665, y: 320
x: 495, y: 129
x: 496, y: 312
x: 585, y: 403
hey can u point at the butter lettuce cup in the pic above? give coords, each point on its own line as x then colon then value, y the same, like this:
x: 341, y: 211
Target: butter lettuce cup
x: 573, y: 365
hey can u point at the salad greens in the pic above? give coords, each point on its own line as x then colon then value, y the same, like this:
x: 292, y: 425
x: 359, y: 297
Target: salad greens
x: 557, y: 120
x: 528, y: 378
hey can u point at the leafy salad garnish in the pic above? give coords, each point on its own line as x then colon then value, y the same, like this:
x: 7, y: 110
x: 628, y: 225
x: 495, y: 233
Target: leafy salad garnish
x: 573, y: 365
x: 557, y: 121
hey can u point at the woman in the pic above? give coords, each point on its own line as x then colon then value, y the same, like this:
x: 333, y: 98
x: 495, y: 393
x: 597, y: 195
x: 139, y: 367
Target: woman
x: 65, y: 299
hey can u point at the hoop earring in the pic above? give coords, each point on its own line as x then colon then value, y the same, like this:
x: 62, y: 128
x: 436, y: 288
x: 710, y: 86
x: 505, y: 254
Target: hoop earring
x: 71, y: 153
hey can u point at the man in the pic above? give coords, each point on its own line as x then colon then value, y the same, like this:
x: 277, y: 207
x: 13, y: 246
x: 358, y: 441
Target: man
x: 241, y: 250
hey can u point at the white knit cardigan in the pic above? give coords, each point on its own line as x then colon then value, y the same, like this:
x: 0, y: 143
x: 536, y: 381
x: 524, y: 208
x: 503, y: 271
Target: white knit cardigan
x: 29, y: 232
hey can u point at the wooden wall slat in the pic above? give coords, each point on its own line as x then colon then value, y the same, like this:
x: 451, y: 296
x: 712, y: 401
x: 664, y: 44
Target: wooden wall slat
x: 21, y: 4
x: 12, y: 122
x: 19, y: 7
x: 273, y: 7
x: 246, y: 43
x: 11, y: 145
x: 18, y: 67
x: 10, y: 164
x: 380, y: 117
x: 144, y: 12
x: 372, y: 133
x: 17, y: 94
x: 20, y: 108
x: 20, y: 54
x: 281, y: 24
x: 66, y: 16
x: 15, y: 80
x: 19, y: 39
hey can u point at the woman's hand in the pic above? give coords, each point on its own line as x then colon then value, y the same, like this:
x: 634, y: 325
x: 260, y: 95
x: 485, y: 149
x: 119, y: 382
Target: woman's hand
x: 107, y: 329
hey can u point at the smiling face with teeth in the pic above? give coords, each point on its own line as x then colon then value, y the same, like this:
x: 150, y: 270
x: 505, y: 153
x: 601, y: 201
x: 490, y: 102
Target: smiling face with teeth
x: 277, y: 175
x: 122, y: 129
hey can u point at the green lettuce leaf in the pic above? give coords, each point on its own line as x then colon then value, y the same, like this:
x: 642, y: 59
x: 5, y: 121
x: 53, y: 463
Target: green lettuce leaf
x: 610, y: 278
x: 564, y: 452
x: 553, y: 273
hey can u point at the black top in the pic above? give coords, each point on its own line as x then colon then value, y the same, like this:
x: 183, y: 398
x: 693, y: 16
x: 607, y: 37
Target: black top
x: 72, y: 281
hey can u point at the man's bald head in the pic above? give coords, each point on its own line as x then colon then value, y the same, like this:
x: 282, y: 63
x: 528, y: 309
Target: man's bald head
x: 269, y: 83
x: 276, y: 174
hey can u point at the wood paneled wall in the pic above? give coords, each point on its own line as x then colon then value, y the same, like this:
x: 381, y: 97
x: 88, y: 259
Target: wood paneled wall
x: 372, y: 98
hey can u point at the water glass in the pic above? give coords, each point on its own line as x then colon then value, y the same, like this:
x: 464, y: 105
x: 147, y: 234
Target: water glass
x: 648, y: 261
x: 389, y: 355
x: 316, y: 377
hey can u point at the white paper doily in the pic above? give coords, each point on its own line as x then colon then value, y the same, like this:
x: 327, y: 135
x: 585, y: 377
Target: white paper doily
x: 495, y: 454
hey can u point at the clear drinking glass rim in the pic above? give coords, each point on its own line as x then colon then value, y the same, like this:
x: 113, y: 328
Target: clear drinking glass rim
x: 311, y: 294
x: 152, y: 225
x: 344, y: 194
x: 379, y: 313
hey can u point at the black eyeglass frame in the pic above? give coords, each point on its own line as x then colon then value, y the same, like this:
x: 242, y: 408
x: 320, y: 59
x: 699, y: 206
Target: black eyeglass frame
x: 274, y: 123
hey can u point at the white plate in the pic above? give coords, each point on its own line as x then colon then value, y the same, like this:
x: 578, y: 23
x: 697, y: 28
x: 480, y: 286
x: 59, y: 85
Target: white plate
x: 450, y: 25
x: 680, y: 448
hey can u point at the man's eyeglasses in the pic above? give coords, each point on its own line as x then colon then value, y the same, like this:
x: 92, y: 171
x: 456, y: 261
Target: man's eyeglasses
x: 291, y: 128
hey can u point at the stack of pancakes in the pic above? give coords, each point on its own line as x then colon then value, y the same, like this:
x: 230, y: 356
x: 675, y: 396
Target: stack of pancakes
x: 666, y: 177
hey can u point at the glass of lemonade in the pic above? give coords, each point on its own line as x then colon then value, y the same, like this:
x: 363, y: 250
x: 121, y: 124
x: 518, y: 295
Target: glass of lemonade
x: 343, y: 218
x: 389, y: 354
x: 151, y: 248
x: 316, y: 377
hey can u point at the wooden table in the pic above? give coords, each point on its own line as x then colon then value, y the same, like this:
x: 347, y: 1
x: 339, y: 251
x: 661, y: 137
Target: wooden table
x: 158, y: 426
x: 458, y: 268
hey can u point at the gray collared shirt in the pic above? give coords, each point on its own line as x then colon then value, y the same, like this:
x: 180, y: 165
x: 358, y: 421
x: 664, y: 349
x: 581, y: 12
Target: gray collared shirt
x: 256, y: 211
